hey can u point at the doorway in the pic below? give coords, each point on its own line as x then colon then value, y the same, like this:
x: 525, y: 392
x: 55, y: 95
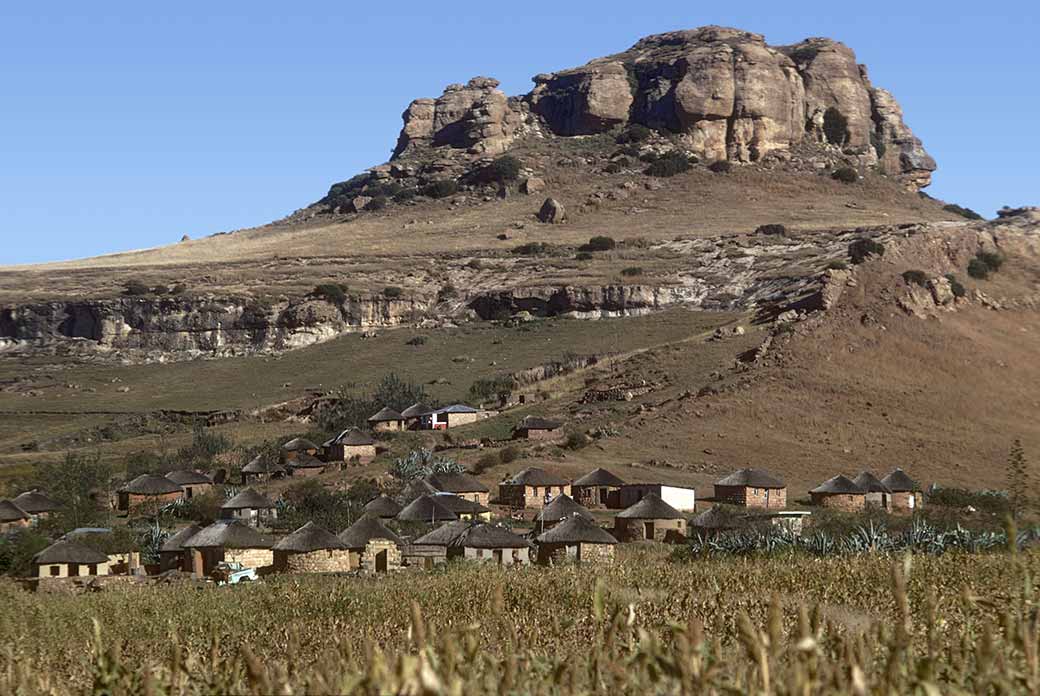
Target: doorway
x: 382, y: 561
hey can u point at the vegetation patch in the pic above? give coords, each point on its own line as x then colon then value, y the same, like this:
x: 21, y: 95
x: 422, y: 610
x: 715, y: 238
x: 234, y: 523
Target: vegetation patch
x: 670, y: 164
x: 915, y: 277
x: 846, y: 175
x: 962, y: 211
x: 598, y: 243
x: 862, y: 249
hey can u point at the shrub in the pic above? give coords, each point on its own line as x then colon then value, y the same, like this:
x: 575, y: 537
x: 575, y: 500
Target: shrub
x: 992, y: 260
x: 475, y: 264
x: 442, y: 188
x: 837, y: 265
x: 956, y: 287
x: 506, y: 168
x: 576, y: 441
x: 915, y: 277
x: 533, y: 249
x: 860, y: 249
x: 392, y: 292
x: 331, y: 292
x: 447, y: 292
x: 846, y: 175
x: 383, y: 190
x: 649, y: 157
x: 377, y: 203
x: 135, y: 287
x: 509, y: 454
x: 486, y: 461
x: 669, y: 165
x: 772, y: 229
x: 835, y: 127
x: 977, y: 269
x: 635, y: 133
x: 632, y: 271
x: 416, y: 341
x: 404, y: 195
x: 721, y: 167
x: 348, y: 188
x: 612, y: 168
x: 598, y: 243
x: 583, y: 256
x: 963, y: 212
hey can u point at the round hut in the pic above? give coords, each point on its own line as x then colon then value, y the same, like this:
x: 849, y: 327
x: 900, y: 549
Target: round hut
x: 532, y: 488
x: 384, y: 507
x: 650, y: 519
x: 67, y: 559
x: 426, y: 509
x: 38, y: 505
x: 228, y: 540
x: 250, y: 507
x: 714, y: 521
x: 311, y: 549
x: 464, y: 508
x: 148, y: 490
x: 576, y: 538
x: 386, y: 420
x: 490, y: 543
x: 598, y: 488
x: 304, y: 465
x: 297, y: 446
x: 173, y: 555
x: 906, y: 493
x: 562, y: 507
x: 431, y: 548
x: 374, y: 548
x: 839, y: 492
x: 877, y: 493
x: 351, y: 445
x: 192, y: 483
x: 12, y: 516
x: 751, y: 488
x: 412, y: 416
x: 259, y: 470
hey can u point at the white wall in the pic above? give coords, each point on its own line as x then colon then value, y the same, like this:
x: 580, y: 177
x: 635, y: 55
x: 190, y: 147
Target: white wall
x: 682, y: 499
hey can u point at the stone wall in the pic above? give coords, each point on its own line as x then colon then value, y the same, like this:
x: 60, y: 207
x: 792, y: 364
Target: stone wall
x: 321, y: 561
x: 901, y: 502
x: 520, y: 556
x: 131, y: 501
x: 250, y: 558
x: 529, y: 496
x: 767, y: 498
x: 370, y: 556
x: 596, y: 553
x: 52, y: 571
x: 345, y: 453
x: 635, y: 530
x: 840, y: 501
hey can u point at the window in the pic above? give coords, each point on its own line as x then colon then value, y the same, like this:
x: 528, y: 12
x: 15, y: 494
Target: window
x: 55, y: 571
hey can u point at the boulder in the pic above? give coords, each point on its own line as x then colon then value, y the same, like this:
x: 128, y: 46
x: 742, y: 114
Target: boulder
x: 942, y: 291
x: 552, y: 212
x: 532, y: 185
x: 358, y: 203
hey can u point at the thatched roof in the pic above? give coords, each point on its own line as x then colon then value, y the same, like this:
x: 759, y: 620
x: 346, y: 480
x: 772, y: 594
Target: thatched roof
x: 870, y: 483
x: 576, y: 530
x: 751, y: 478
x: 69, y: 552
x: 839, y: 485
x: 651, y: 507
x: 383, y: 506
x: 299, y: 444
x: 35, y: 502
x: 443, y: 535
x: 533, y: 476
x: 357, y: 535
x: 459, y: 505
x: 305, y: 461
x: 309, y: 537
x: 897, y: 482
x: 488, y: 536
x: 416, y: 410
x: 455, y: 483
x: 598, y: 477
x: 186, y: 477
x: 10, y: 512
x: 715, y: 518
x: 457, y: 408
x: 149, y: 484
x: 425, y: 508
x: 259, y: 466
x: 561, y: 507
x: 385, y: 414
x: 248, y: 499
x: 415, y: 488
x: 176, y: 542
x: 538, y: 423
x: 228, y: 534
x: 352, y: 437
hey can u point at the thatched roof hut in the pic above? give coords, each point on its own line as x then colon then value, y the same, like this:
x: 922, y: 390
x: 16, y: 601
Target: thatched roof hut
x: 352, y: 437
x: 10, y: 512
x: 150, y: 485
x: 176, y: 542
x: 461, y: 506
x: 870, y: 483
x: 897, y: 482
x: 751, y: 478
x: 383, y: 507
x: 488, y: 536
x: 650, y: 507
x: 576, y: 530
x: 259, y: 467
x: 228, y: 534
x: 562, y: 507
x: 35, y: 503
x: 67, y: 553
x: 533, y: 476
x: 598, y: 478
x: 416, y: 410
x: 186, y: 477
x: 445, y: 534
x: 310, y: 537
x: 248, y: 499
x: 716, y: 519
x: 385, y: 415
x: 367, y: 528
x: 455, y: 483
x: 839, y: 485
x: 299, y: 444
x: 425, y: 508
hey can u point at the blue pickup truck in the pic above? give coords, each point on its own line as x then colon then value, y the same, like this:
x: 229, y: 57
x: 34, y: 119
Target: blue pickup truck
x: 232, y: 573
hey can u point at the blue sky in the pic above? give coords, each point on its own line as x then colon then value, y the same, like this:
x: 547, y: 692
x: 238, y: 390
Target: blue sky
x: 124, y: 125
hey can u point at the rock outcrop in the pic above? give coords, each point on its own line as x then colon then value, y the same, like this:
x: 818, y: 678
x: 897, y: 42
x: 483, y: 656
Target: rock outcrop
x: 725, y: 92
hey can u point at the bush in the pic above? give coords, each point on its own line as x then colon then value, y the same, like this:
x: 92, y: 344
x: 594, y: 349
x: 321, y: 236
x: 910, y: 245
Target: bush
x: 956, y: 287
x: 416, y: 341
x: 576, y: 441
x: 486, y: 461
x: 669, y: 165
x: 612, y: 168
x: 632, y: 271
x: 993, y: 502
x: 915, y: 277
x: 635, y: 133
x: 772, y: 229
x: 384, y: 190
x: 598, y: 243
x: 332, y: 292
x: 392, y: 292
x: 583, y: 256
x: 442, y: 188
x: 846, y: 175
x: 509, y: 454
x: 977, y: 269
x: 377, y: 203
x: 963, y: 212
x: 837, y: 265
x: 860, y: 249
x: 135, y: 287
x: 721, y: 167
x: 506, y: 168
x: 533, y: 249
x: 835, y: 127
x: 404, y: 195
x: 985, y: 263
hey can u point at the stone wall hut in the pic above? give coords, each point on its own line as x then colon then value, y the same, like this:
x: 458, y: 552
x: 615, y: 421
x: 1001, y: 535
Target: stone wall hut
x: 426, y: 509
x: 598, y: 488
x: 877, y: 493
x: 374, y: 548
x: 383, y: 507
x: 532, y: 488
x: 349, y: 446
x: 259, y: 470
x: 537, y: 428
x: 650, y: 519
x: 906, y: 493
x: 714, y: 521
x: 386, y: 420
x: 192, y: 483
x: 67, y: 559
x: 311, y: 549
x: 839, y: 492
x: 413, y: 415
x: 463, y: 508
x: 38, y: 505
x: 250, y: 507
x: 305, y: 466
x: 148, y: 490
x: 296, y: 447
x: 490, y: 543
x: 173, y: 555
x: 431, y: 548
x: 12, y: 517
x: 232, y: 541
x: 751, y: 488
x: 561, y: 508
x: 461, y: 484
x: 576, y: 539
x: 450, y: 417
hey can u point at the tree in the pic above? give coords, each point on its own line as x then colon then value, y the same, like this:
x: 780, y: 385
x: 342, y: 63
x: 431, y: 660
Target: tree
x: 80, y: 484
x: 1018, y: 480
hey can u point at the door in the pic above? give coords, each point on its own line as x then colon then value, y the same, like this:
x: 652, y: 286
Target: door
x: 381, y: 561
x: 648, y: 530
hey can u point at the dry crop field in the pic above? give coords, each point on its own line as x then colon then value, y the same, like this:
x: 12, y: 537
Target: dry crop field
x: 870, y: 623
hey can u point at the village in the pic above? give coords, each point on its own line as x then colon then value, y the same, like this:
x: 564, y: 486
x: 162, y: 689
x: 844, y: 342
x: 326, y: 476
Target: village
x: 534, y: 516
